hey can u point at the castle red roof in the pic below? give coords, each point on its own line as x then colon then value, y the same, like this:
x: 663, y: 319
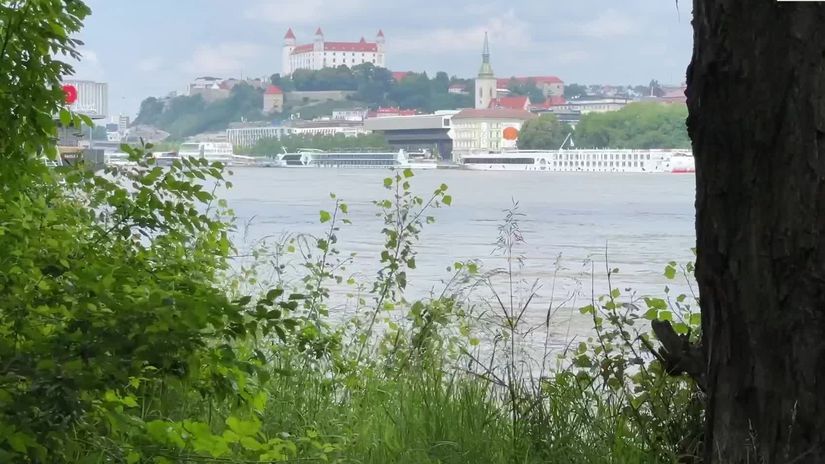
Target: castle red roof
x: 494, y: 114
x: 319, y: 31
x: 303, y: 48
x: 398, y: 75
x: 351, y: 47
x: 380, y: 33
x: 362, y: 47
x: 289, y: 34
x: 273, y: 90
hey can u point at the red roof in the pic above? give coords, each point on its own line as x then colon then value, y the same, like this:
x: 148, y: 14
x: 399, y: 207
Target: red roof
x: 350, y: 47
x: 289, y: 34
x: 391, y: 111
x: 273, y: 90
x: 537, y: 79
x: 303, y: 48
x: 319, y: 31
x: 494, y: 113
x: 513, y: 103
x: 398, y: 75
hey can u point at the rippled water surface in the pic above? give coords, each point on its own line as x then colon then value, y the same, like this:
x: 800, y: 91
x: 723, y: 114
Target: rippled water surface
x: 571, y: 220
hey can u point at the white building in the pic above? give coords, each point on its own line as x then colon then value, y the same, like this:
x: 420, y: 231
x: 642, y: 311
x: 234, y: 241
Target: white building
x: 329, y: 127
x: 486, y: 82
x: 322, y: 54
x: 92, y: 98
x: 486, y: 130
x: 249, y: 136
x: 600, y: 105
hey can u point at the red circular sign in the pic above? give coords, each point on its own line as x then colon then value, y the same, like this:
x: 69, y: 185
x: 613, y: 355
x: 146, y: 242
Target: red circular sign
x: 510, y: 133
x: 71, y: 93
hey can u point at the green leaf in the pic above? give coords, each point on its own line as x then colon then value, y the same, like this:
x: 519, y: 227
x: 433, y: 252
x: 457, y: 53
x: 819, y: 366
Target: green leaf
x: 615, y: 293
x: 388, y: 182
x: 18, y: 441
x: 65, y: 118
x: 408, y: 173
x: 695, y: 319
x: 447, y: 200
x: 344, y: 208
x: 132, y: 457
x: 670, y: 272
x: 325, y: 216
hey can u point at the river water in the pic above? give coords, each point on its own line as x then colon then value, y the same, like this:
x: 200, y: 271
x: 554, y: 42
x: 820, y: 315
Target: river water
x: 570, y: 223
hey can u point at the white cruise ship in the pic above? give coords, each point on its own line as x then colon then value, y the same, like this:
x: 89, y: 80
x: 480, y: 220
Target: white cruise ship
x: 311, y: 158
x: 211, y: 151
x: 674, y: 161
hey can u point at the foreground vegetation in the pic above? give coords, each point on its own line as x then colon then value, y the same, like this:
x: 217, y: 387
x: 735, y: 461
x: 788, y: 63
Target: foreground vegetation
x: 131, y: 333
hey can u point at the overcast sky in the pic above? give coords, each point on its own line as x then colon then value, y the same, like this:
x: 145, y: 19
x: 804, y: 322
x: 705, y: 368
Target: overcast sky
x: 152, y: 47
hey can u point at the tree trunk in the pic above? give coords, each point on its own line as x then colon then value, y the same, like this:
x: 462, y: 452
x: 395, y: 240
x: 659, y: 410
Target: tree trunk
x: 756, y: 98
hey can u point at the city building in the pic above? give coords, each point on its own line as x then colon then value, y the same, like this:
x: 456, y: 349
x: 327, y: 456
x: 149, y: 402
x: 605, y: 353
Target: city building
x: 249, y: 136
x: 427, y: 132
x: 459, y: 89
x: 328, y: 127
x: 486, y: 130
x: 92, y: 98
x: 122, y: 123
x: 273, y: 100
x: 216, y: 88
x: 521, y: 102
x: 486, y: 80
x: 322, y: 54
x: 355, y: 114
x: 550, y: 86
x: 391, y: 111
x: 594, y: 105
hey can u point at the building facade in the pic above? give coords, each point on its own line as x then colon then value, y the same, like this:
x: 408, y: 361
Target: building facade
x: 550, y: 86
x: 328, y: 127
x: 273, y: 100
x: 486, y: 130
x: 423, y: 132
x: 323, y: 54
x: 594, y: 105
x: 485, y: 90
x: 249, y: 136
x: 92, y: 98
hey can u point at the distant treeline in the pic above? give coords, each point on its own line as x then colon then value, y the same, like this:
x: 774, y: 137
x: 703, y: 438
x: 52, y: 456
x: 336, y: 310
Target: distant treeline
x: 291, y: 143
x: 636, y: 126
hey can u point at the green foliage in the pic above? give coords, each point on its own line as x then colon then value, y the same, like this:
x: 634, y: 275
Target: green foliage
x: 637, y: 125
x: 572, y: 91
x: 189, y: 115
x: 291, y: 143
x: 527, y: 88
x: 543, y: 133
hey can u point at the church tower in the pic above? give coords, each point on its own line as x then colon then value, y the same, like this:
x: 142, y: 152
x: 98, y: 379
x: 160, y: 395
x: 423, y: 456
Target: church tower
x: 486, y: 80
x: 286, y: 53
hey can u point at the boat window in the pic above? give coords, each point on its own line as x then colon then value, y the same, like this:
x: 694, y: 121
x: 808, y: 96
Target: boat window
x: 648, y: 156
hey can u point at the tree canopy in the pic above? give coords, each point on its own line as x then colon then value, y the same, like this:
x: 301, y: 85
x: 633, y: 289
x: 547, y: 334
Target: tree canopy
x: 637, y: 125
x: 183, y: 116
x: 291, y: 143
x: 543, y: 133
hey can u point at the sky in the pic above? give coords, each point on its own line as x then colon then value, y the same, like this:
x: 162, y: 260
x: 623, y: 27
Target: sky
x: 153, y: 47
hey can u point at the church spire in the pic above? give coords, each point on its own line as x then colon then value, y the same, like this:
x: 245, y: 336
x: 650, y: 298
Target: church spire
x: 486, y: 69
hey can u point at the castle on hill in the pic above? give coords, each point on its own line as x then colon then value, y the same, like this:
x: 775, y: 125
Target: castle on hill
x: 322, y: 54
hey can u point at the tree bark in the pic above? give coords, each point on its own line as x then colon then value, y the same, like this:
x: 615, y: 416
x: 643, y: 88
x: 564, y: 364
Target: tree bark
x: 756, y: 99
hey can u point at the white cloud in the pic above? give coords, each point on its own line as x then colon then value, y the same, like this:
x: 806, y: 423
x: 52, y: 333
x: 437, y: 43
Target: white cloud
x: 571, y: 56
x: 228, y: 58
x: 506, y: 32
x: 609, y: 24
x: 88, y: 67
x: 150, y: 64
x: 315, y: 12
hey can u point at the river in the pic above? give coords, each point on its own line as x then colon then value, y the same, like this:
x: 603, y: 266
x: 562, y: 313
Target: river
x: 570, y: 222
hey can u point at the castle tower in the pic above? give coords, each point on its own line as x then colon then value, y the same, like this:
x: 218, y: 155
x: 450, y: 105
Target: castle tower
x: 286, y: 53
x: 318, y: 50
x: 380, y: 41
x: 486, y: 80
